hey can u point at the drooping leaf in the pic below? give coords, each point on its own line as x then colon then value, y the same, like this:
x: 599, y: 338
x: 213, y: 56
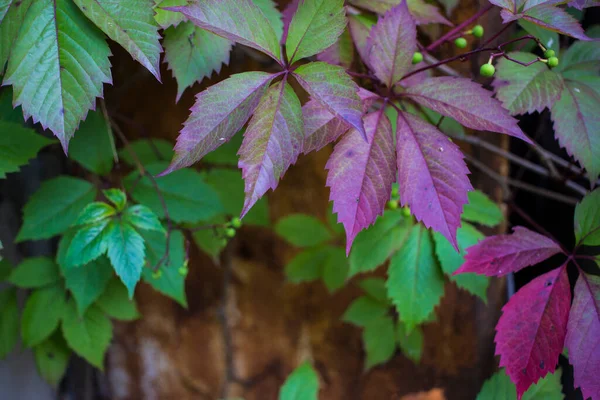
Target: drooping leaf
x: 361, y: 174
x: 531, y: 331
x: 92, y: 147
x: 583, y: 335
x: 54, y: 207
x: 193, y: 54
x: 320, y: 127
x: 272, y: 142
x: 116, y: 303
x: 87, y: 282
x: 17, y: 146
x: 302, y: 384
x: 35, y: 272
x: 415, y: 282
x: 269, y: 9
x: 148, y: 151
x: 131, y: 24
x: 340, y: 53
x: 432, y: 175
x: 411, y: 343
x: 302, y: 230
x: 52, y: 358
x: 501, y: 254
x: 42, y: 312
x: 391, y: 44
x: 12, y: 14
x: 335, y: 269
x: 379, y: 339
x: 526, y: 89
x: 315, y: 26
x: 467, y: 102
x: 587, y: 219
x: 481, y: 209
x: 9, y: 321
x: 71, y: 64
x: 364, y: 310
x: 220, y: 111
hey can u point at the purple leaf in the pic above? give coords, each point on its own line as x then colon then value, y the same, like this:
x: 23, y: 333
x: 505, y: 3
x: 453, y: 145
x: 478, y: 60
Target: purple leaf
x: 360, y: 28
x: 320, y: 127
x: 531, y: 331
x: 272, y: 142
x: 368, y: 98
x: 332, y: 87
x: 555, y: 19
x: 468, y: 103
x: 240, y: 21
x: 391, y: 44
x: 340, y: 53
x: 424, y: 13
x: 287, y: 16
x: 361, y: 174
x: 501, y: 254
x: 581, y: 4
x: 432, y: 175
x: 220, y: 111
x: 583, y: 335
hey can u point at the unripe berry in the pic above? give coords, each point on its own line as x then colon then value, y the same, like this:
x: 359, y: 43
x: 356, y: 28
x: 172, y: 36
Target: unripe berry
x: 477, y: 31
x: 417, y: 58
x: 549, y: 53
x: 487, y: 70
x: 406, y: 211
x: 236, y: 223
x: 392, y: 204
x: 156, y: 274
x: 461, y: 42
x: 230, y: 232
x: 395, y: 191
x: 183, y: 271
x: 553, y: 62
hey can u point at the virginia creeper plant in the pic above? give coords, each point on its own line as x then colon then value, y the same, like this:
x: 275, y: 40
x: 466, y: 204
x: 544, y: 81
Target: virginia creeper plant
x: 370, y: 84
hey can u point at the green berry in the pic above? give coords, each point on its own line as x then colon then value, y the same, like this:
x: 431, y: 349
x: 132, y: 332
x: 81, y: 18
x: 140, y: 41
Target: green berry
x: 156, y: 274
x: 392, y: 204
x: 553, y: 62
x: 406, y: 211
x: 395, y: 191
x: 236, y: 223
x: 183, y: 271
x: 230, y: 232
x: 477, y: 31
x: 223, y: 242
x: 461, y: 42
x: 417, y: 58
x: 487, y: 70
x: 549, y: 53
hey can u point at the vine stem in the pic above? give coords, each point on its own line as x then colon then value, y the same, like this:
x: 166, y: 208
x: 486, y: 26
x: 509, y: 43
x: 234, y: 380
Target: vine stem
x: 459, y: 28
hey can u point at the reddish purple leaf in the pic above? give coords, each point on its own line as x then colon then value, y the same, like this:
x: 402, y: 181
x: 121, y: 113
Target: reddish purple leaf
x: 220, y: 111
x: 272, y: 142
x: 359, y: 27
x: 391, y: 44
x: 424, y: 13
x: 555, y: 19
x: 583, y: 335
x: 468, y: 103
x: 320, y: 127
x: 361, y: 174
x: 332, y: 87
x: 531, y: 331
x: 367, y: 97
x: 432, y: 175
x: 501, y: 254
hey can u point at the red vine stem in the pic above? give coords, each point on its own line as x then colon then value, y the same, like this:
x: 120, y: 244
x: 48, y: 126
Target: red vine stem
x: 459, y: 28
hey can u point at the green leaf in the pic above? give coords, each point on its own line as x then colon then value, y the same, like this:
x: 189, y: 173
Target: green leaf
x: 86, y: 245
x: 117, y: 197
x: 166, y: 18
x: 193, y: 54
x: 335, y: 269
x: 149, y: 151
x: 210, y: 242
x: 450, y: 260
x: 379, y: 338
x: 54, y: 207
x: 415, y: 283
x: 57, y: 66
x: 18, y: 145
x: 92, y: 147
x: 499, y: 387
x: 482, y: 210
x: 9, y: 321
x: 587, y: 220
x: 42, y: 312
x: 302, y: 384
x: 131, y: 24
x: 547, y: 388
x: 171, y: 282
x: 142, y: 218
x: 12, y: 13
x: 364, y: 310
x: 302, y: 230
x: 307, y: 266
x: 5, y: 267
x: 375, y: 287
x: 411, y: 343
x: 270, y: 11
x: 548, y: 38
x: 188, y: 198
x: 95, y: 212
x: 581, y: 57
x: 52, y: 358
x: 373, y: 246
x: 34, y: 273
x: 116, y: 303
x: 125, y: 249
x: 90, y: 335
x: 87, y: 282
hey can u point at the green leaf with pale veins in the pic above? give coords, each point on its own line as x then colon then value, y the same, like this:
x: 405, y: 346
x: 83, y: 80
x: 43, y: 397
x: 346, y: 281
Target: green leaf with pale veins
x: 42, y: 312
x: 193, y: 54
x: 17, y: 146
x: 54, y: 207
x: 12, y: 14
x: 481, y: 209
x: 587, y: 219
x: 86, y: 245
x: 415, y: 282
x: 581, y: 57
x: 9, y: 321
x: 87, y: 282
x: 302, y: 384
x: 92, y: 146
x: 379, y: 339
x: 35, y: 272
x: 95, y: 212
x: 57, y: 66
x: 302, y: 230
x: 131, y: 24
x: 117, y: 197
x: 143, y: 218
x: 52, y: 358
x: 116, y: 303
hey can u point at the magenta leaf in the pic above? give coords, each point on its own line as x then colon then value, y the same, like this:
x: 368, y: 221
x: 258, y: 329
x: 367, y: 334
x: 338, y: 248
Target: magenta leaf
x: 320, y: 127
x: 501, y: 254
x: 391, y: 44
x: 432, y: 175
x: 220, y: 111
x: 361, y: 174
x: 332, y: 87
x: 272, y: 142
x: 531, y: 331
x: 583, y: 335
x: 466, y: 102
x: 555, y: 19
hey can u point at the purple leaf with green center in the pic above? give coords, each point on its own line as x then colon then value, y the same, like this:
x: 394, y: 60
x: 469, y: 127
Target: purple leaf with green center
x: 340, y: 53
x: 432, y: 175
x: 240, y: 21
x: 361, y: 174
x: 466, y: 102
x: 220, y: 111
x: 359, y: 27
x: 583, y: 335
x: 422, y: 12
x: 320, y: 127
x: 332, y: 87
x: 272, y: 142
x: 501, y: 254
x: 391, y: 45
x: 531, y: 331
x: 577, y: 123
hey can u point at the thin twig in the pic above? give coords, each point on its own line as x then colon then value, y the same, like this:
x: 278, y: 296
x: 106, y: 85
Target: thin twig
x: 459, y: 28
